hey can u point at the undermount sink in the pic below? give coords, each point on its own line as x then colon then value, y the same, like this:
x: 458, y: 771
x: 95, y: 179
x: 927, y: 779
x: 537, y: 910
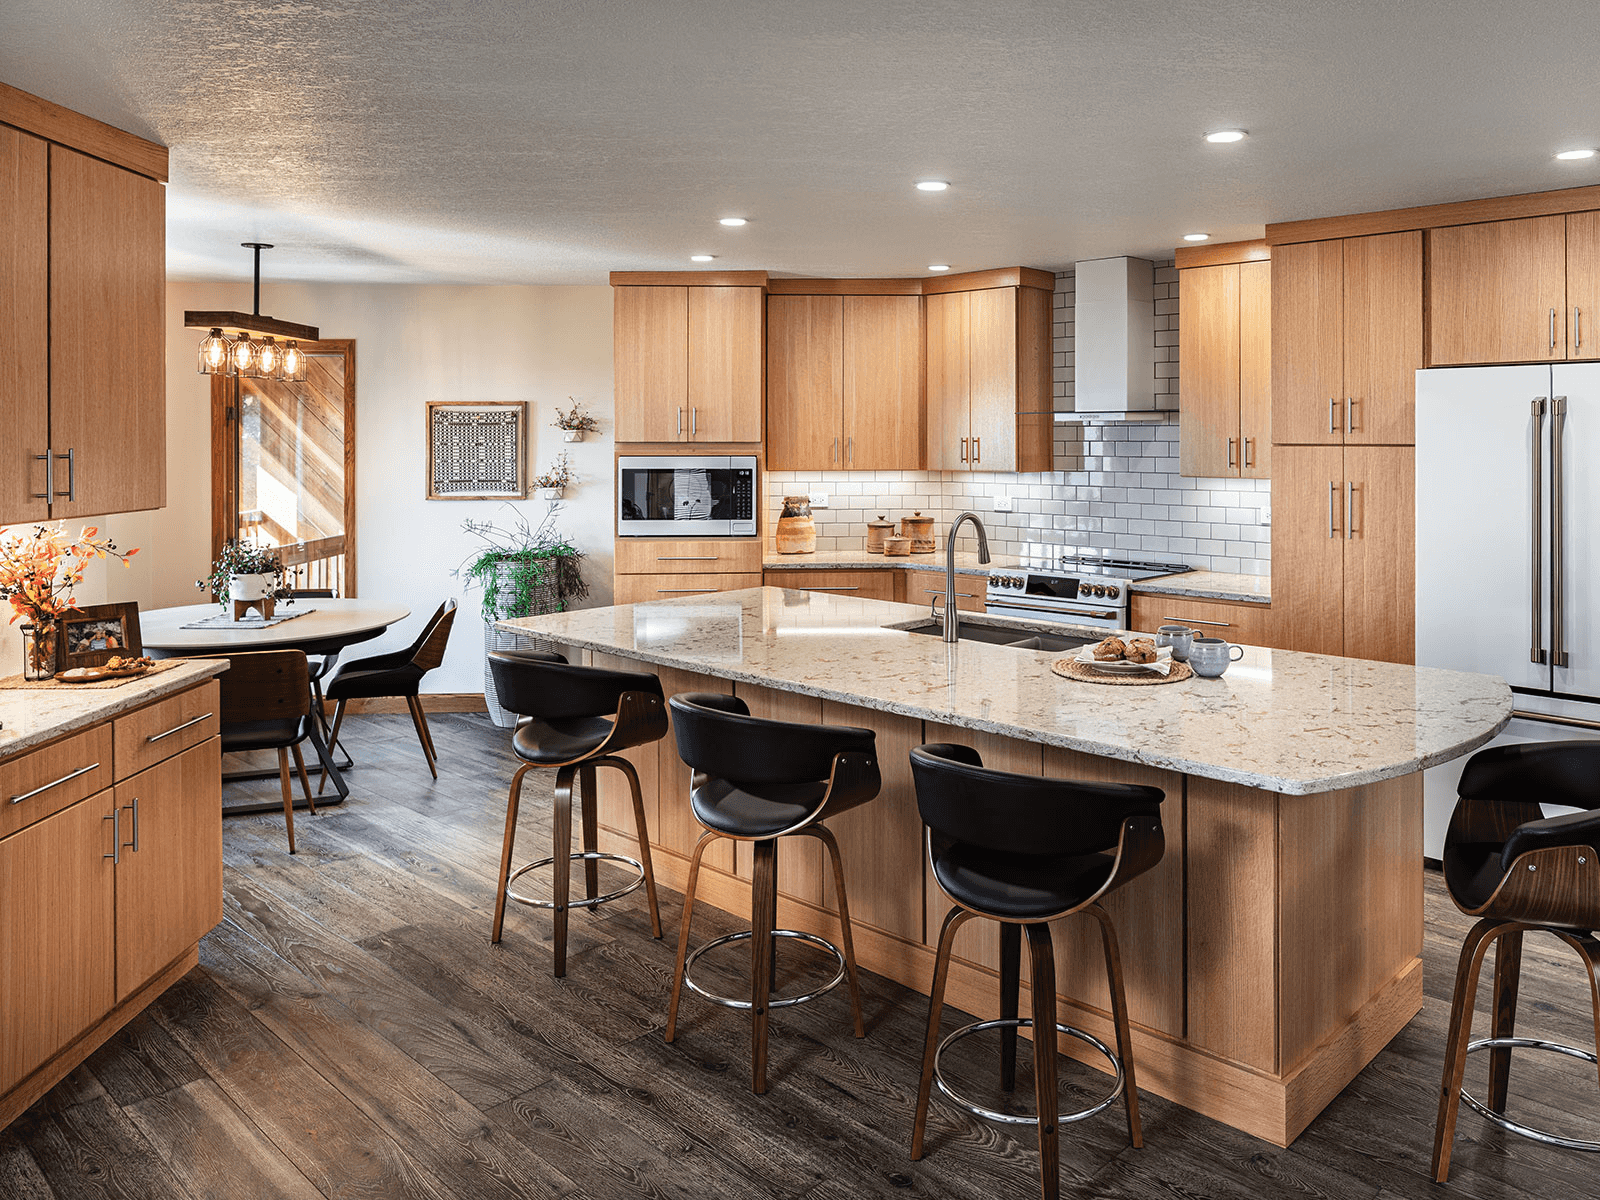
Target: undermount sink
x: 1001, y: 635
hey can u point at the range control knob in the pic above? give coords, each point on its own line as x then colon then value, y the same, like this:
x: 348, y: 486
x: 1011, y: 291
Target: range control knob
x: 1016, y: 581
x: 1112, y: 591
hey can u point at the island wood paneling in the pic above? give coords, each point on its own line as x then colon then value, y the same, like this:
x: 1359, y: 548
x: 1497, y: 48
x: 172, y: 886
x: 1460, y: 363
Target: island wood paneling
x: 802, y: 861
x: 24, y: 321
x: 615, y: 806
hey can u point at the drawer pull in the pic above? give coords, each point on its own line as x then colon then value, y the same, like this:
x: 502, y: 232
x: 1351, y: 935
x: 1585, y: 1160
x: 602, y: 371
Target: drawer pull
x: 1198, y: 621
x: 156, y: 737
x: 834, y: 587
x: 54, y: 783
x: 940, y: 592
x: 694, y: 591
x: 686, y: 558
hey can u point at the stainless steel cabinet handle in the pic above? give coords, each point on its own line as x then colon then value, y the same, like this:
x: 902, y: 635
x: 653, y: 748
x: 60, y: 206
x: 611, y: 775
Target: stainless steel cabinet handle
x: 49, y: 476
x: 940, y: 592
x: 72, y: 475
x: 1333, y: 421
x: 1536, y: 533
x: 694, y: 419
x: 849, y: 450
x: 156, y: 737
x: 1350, y: 511
x: 1230, y: 452
x: 1552, y: 329
x: 834, y: 588
x: 1558, y: 532
x: 835, y: 450
x: 134, y: 809
x: 963, y: 449
x: 977, y: 449
x: 674, y: 591
x: 116, y: 835
x: 1249, y: 455
x: 680, y: 421
x: 1577, y: 330
x: 1198, y: 621
x: 54, y: 783
x: 1350, y: 414
x: 1332, y: 487
x: 686, y: 558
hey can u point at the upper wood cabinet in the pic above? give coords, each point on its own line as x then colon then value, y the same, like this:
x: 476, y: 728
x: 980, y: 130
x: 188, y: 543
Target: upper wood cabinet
x: 1514, y: 291
x: 688, y: 363
x: 883, y: 364
x: 82, y: 324
x: 1346, y: 340
x: 988, y: 380
x: 1225, y: 370
x: 805, y: 383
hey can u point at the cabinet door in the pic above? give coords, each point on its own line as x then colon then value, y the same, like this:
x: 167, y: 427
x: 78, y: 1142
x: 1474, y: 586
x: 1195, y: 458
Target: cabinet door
x: 1247, y: 624
x: 1583, y: 285
x: 650, y: 342
x: 1382, y: 337
x: 1308, y: 343
x: 1208, y: 365
x: 56, y: 948
x: 108, y: 347
x: 633, y: 589
x: 1255, y: 369
x: 24, y: 323
x: 924, y: 587
x: 805, y: 383
x: 993, y: 330
x: 169, y: 882
x: 1308, y: 536
x: 883, y: 411
x: 949, y: 358
x: 1497, y: 292
x: 1380, y: 553
x: 727, y: 329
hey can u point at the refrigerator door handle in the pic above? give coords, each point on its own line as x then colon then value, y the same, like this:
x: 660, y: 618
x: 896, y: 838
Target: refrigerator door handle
x: 1558, y: 533
x: 1536, y: 534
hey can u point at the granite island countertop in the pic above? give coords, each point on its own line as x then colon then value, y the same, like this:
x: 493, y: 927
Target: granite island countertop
x: 1199, y: 584
x: 31, y: 717
x: 1280, y: 720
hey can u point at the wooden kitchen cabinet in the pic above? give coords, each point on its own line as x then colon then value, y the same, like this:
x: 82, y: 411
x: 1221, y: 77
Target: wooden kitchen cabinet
x: 24, y: 322
x: 1245, y: 624
x: 926, y: 587
x: 1497, y: 292
x: 1225, y: 365
x: 805, y: 383
x: 660, y: 568
x: 634, y: 589
x: 863, y: 585
x: 651, y: 363
x: 883, y: 411
x: 1583, y: 285
x: 1346, y: 340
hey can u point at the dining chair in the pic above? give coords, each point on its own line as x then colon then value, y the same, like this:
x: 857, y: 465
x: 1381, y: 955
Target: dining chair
x: 397, y: 674
x: 266, y: 705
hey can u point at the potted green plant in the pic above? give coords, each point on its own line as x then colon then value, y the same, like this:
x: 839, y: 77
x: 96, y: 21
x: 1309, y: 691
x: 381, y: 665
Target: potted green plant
x: 574, y: 423
x: 246, y: 571
x: 523, y: 570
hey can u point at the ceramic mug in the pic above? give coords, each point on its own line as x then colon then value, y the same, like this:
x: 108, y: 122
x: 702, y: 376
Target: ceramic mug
x: 1178, y: 637
x: 1209, y: 656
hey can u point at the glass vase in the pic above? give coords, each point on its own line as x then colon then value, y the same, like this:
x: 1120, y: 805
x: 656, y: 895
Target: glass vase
x: 39, y: 650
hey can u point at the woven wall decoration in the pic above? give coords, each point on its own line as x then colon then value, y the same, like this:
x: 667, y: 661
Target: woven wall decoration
x: 477, y: 451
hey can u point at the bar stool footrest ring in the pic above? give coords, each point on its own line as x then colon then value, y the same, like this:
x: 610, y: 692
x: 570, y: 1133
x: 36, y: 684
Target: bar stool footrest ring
x: 775, y: 1002
x: 1510, y: 1126
x: 990, y: 1114
x: 586, y: 902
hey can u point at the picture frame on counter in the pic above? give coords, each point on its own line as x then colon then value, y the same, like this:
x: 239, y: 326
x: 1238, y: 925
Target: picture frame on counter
x: 477, y: 450
x: 95, y: 633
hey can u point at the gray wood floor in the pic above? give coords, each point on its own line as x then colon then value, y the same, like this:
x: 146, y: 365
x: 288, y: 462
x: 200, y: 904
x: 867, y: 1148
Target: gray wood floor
x: 351, y: 1033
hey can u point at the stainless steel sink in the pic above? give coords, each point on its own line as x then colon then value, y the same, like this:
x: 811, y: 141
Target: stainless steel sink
x: 1001, y: 635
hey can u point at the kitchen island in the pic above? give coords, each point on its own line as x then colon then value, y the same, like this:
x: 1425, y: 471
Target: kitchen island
x: 1273, y: 952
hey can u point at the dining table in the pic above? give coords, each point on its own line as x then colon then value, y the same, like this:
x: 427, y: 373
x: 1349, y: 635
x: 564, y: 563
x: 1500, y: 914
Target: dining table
x: 324, y: 627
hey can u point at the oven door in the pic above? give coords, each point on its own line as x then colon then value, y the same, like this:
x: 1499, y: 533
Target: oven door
x: 1095, y: 616
x: 701, y: 497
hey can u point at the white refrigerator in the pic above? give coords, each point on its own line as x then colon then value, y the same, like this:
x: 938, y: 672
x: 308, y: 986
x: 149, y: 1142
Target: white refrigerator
x: 1508, y: 574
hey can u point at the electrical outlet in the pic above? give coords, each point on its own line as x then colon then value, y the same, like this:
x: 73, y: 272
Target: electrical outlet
x: 1266, y: 514
x: 819, y: 499
x: 1002, y: 503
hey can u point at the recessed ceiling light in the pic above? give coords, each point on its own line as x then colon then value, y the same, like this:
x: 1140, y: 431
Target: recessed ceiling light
x: 1226, y: 135
x: 938, y: 266
x: 1197, y: 237
x: 733, y: 220
x: 1568, y: 155
x: 701, y: 257
x: 931, y: 185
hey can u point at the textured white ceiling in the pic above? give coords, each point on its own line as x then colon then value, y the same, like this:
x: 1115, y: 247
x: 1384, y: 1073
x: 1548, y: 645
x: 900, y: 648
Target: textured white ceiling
x: 498, y: 141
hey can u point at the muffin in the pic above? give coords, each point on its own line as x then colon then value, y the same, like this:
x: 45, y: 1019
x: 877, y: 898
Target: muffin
x: 1111, y: 649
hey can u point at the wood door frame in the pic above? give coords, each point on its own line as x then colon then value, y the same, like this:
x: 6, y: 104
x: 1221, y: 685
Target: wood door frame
x: 225, y: 455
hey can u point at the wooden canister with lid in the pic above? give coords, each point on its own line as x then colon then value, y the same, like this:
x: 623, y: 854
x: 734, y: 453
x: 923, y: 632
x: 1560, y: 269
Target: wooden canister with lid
x: 920, y: 530
x: 876, y: 532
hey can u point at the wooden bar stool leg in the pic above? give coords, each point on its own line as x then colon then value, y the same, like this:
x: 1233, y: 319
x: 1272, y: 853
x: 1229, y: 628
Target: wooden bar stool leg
x: 1507, y: 974
x: 333, y: 741
x: 1042, y: 965
x: 683, y: 935
x: 643, y: 834
x: 513, y: 802
x: 763, y: 919
x: 1589, y: 951
x: 1473, y: 949
x: 561, y: 849
x: 1010, y: 991
x: 288, y: 794
x: 953, y: 921
x: 588, y: 798
x: 846, y: 942
x: 1119, y: 1016
x: 305, y: 780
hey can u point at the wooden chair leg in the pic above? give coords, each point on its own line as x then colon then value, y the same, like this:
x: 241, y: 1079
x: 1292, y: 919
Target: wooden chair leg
x: 333, y: 742
x: 953, y: 921
x: 643, y: 834
x: 417, y: 719
x: 1507, y: 974
x: 589, y: 799
x: 1589, y: 951
x: 683, y: 935
x: 1042, y: 967
x: 1119, y: 1016
x: 427, y: 730
x: 561, y: 849
x: 305, y: 780
x: 1477, y: 943
x: 1010, y: 992
x: 513, y: 803
x: 763, y: 919
x: 288, y: 794
x: 846, y: 942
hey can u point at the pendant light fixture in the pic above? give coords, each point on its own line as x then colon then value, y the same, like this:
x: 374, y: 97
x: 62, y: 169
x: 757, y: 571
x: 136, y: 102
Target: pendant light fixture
x: 243, y: 354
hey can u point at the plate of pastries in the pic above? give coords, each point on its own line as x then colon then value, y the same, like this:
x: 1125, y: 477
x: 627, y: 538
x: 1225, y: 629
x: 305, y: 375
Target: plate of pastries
x: 1126, y: 656
x: 115, y: 667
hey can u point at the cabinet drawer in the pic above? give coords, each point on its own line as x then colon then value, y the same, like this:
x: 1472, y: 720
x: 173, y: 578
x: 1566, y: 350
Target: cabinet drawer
x: 633, y: 589
x: 923, y: 586
x: 34, y: 785
x: 871, y: 585
x: 1248, y: 623
x: 710, y: 556
x: 165, y: 728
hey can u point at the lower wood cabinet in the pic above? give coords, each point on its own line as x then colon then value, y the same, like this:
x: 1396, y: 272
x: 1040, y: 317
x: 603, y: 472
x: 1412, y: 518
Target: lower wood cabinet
x: 870, y: 585
x: 1246, y: 624
x: 634, y: 589
x: 661, y: 568
x: 924, y: 587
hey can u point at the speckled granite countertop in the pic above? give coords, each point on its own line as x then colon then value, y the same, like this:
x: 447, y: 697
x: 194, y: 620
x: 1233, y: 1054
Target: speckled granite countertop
x: 1288, y: 722
x: 1206, y: 585
x: 30, y: 717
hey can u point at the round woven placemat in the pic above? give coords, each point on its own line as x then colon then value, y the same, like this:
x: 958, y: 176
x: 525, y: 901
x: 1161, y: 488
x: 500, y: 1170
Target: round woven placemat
x: 1073, y: 669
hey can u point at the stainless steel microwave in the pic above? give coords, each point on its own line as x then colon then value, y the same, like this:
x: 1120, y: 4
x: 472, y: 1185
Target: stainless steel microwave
x: 699, y: 496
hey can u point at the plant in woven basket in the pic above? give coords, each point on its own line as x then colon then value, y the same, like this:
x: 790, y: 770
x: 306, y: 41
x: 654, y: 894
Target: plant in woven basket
x: 240, y: 557
x: 523, y: 568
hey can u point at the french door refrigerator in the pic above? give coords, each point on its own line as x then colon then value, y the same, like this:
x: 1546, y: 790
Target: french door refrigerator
x: 1508, y: 578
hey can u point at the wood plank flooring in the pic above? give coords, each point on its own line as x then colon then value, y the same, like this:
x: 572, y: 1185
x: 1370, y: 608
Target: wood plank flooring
x: 351, y: 1033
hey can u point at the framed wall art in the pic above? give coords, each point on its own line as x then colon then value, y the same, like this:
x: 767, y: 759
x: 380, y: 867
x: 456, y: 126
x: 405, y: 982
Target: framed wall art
x: 477, y: 451
x: 97, y: 632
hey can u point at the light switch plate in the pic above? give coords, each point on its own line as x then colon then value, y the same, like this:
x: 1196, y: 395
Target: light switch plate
x: 1266, y: 514
x: 819, y: 499
x: 1002, y: 503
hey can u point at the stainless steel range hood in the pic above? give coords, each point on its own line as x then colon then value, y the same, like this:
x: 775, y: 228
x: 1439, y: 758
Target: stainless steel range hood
x: 1114, y: 367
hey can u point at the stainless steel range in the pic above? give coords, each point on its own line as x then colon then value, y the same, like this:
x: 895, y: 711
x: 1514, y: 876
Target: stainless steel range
x: 1080, y: 589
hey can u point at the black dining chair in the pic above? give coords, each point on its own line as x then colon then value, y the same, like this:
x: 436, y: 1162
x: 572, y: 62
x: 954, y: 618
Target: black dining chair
x: 398, y: 674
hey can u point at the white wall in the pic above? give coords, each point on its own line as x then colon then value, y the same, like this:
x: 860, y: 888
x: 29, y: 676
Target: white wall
x: 413, y: 344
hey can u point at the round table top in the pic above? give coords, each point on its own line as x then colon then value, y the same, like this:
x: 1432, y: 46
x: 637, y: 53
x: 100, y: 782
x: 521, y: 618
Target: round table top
x: 332, y: 625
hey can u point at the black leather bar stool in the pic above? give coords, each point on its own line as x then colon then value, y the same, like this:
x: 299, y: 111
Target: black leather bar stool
x: 1519, y: 872
x: 574, y: 719
x: 757, y: 781
x: 1025, y: 851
